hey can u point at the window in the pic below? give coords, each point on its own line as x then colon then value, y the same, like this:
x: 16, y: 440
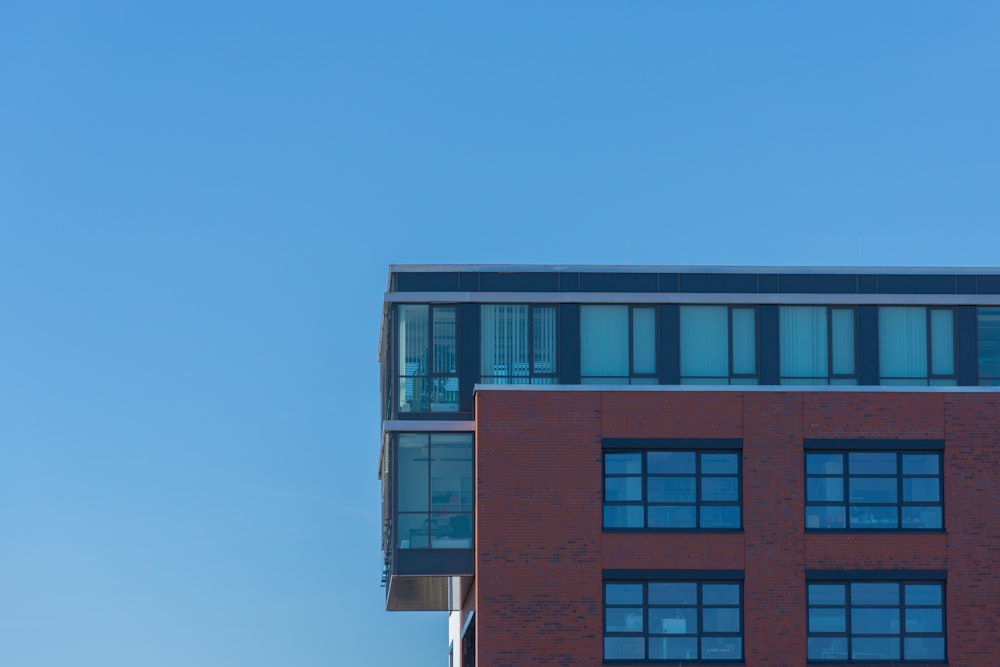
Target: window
x: 618, y: 345
x: 718, y: 345
x: 872, y: 490
x: 518, y: 344
x: 916, y: 345
x: 876, y: 620
x: 672, y: 489
x: 434, y: 490
x: 817, y: 345
x: 673, y: 620
x: 989, y: 346
x: 427, y: 372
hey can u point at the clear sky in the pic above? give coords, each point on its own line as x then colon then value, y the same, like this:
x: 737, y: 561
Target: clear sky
x: 199, y: 201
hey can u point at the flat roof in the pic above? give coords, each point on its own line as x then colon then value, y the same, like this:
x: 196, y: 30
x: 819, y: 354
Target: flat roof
x: 687, y: 268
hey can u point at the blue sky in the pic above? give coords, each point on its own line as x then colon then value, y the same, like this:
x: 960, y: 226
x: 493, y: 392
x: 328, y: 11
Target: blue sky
x: 198, y: 204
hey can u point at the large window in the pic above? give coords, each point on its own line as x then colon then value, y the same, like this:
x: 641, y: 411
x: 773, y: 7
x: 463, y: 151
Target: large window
x: 672, y: 489
x: 988, y: 330
x: 869, y: 621
x: 618, y: 345
x: 427, y: 372
x: 718, y: 345
x: 434, y: 491
x: 871, y: 490
x: 671, y: 621
x: 518, y: 344
x: 817, y: 345
x: 916, y: 345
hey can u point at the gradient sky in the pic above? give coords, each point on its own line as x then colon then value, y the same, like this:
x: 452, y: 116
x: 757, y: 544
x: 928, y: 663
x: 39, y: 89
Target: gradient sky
x: 199, y: 201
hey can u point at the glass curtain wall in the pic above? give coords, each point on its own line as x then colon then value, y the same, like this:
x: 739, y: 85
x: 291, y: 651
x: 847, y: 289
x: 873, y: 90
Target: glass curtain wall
x: 518, y: 344
x: 718, y: 345
x: 427, y: 358
x: 916, y: 345
x: 988, y: 329
x: 817, y: 345
x: 617, y: 345
x: 434, y: 491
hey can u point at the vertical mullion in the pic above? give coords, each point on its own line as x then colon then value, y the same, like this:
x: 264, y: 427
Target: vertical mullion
x: 729, y: 338
x: 829, y: 344
x: 631, y: 342
x: 643, y: 481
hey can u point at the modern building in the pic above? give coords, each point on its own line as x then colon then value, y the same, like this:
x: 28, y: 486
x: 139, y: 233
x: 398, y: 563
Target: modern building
x: 663, y: 465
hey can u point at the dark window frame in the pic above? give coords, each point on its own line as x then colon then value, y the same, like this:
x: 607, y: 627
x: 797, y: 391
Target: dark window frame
x: 941, y: 379
x: 847, y: 503
x: 697, y: 504
x: 533, y: 376
x: 830, y: 377
x: 755, y: 375
x: 632, y: 374
x: 698, y: 578
x: 848, y: 580
x: 436, y: 380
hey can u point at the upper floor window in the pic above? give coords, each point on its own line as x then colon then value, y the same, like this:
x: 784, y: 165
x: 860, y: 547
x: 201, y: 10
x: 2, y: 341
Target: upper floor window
x: 869, y: 621
x: 817, y: 345
x: 518, y: 344
x: 671, y: 621
x: 865, y: 490
x: 427, y: 354
x: 718, y: 345
x: 916, y: 345
x: 988, y: 327
x: 618, y: 345
x: 671, y: 489
x: 434, y: 492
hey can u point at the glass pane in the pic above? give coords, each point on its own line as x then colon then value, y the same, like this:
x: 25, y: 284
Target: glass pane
x: 643, y: 340
x: 744, y: 341
x: 827, y: 648
x: 622, y: 488
x: 670, y: 490
x: 623, y: 463
x: 872, y: 463
x: 623, y: 516
x: 921, y: 488
x: 875, y: 648
x: 544, y: 360
x: 714, y: 464
x: 676, y: 463
x: 673, y: 648
x: 720, y: 488
x: 923, y: 594
x: 673, y: 593
x: 673, y: 620
x: 413, y: 473
x: 842, y: 348
x: 989, y: 343
x: 444, y: 340
x: 721, y: 619
x: 721, y: 648
x: 825, y: 488
x: 923, y: 648
x: 922, y: 518
x: 874, y: 518
x: 827, y: 594
x: 873, y: 489
x: 413, y: 355
x: 874, y: 593
x: 624, y: 648
x: 704, y: 341
x: 720, y: 516
x: 720, y: 594
x: 671, y: 516
x: 604, y: 341
x: 875, y: 621
x: 413, y: 531
x: 623, y: 594
x: 942, y: 342
x: 902, y: 341
x: 827, y: 619
x: 921, y: 464
x: 623, y: 619
x: 504, y: 341
x: 802, y: 339
x: 923, y: 620
x: 824, y: 464
x: 829, y: 517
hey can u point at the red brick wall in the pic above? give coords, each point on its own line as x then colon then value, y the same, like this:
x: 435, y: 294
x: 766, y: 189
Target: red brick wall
x: 541, y: 550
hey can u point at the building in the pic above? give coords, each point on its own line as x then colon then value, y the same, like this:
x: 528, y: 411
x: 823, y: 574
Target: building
x: 754, y: 466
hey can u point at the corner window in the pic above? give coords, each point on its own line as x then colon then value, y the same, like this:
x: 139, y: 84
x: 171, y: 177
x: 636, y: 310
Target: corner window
x: 671, y: 621
x: 518, y: 344
x: 718, y: 345
x: 672, y: 489
x: 427, y: 354
x: 867, y: 621
x: 434, y: 492
x: 618, y: 345
x: 916, y: 345
x: 817, y: 345
x: 988, y: 329
x: 871, y: 490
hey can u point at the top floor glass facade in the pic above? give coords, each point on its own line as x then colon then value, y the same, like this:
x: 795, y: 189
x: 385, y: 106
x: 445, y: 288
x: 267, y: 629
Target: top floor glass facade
x: 447, y: 329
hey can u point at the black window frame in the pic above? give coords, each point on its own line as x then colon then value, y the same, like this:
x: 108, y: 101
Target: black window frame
x: 533, y: 376
x: 905, y: 448
x: 699, y: 448
x: 644, y: 378
x: 731, y: 376
x: 931, y: 379
x: 436, y: 381
x: 844, y: 653
x: 700, y: 579
x: 830, y: 377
